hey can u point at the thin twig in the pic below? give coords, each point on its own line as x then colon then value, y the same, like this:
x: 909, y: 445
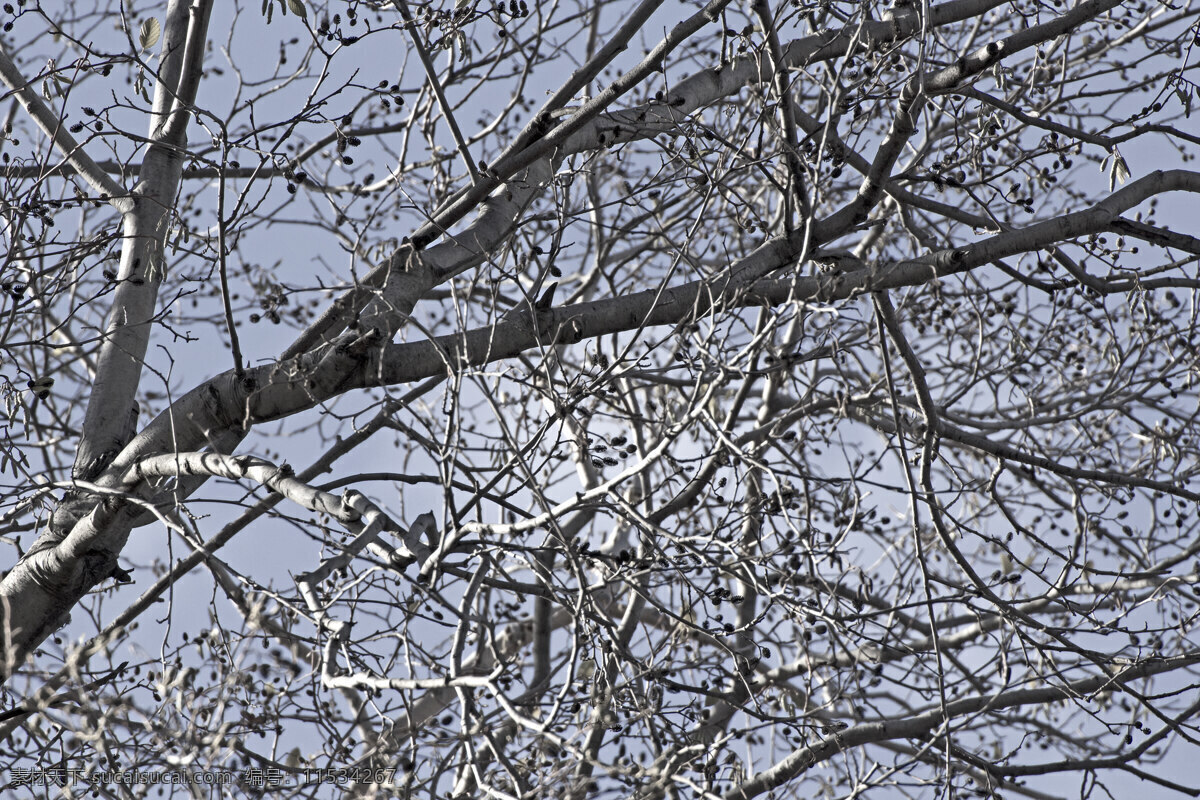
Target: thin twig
x: 52, y: 125
x: 222, y: 267
x: 436, y: 85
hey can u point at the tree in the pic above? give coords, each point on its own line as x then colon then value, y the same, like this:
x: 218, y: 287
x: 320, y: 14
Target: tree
x: 799, y: 401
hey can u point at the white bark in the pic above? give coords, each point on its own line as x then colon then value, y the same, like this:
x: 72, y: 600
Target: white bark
x: 350, y: 348
x: 225, y: 403
x: 143, y: 260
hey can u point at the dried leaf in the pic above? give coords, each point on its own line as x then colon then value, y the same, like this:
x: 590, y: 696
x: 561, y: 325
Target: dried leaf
x: 297, y: 8
x: 1118, y: 170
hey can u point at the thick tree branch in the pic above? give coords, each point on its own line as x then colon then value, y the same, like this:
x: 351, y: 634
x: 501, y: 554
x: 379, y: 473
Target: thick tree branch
x: 143, y: 261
